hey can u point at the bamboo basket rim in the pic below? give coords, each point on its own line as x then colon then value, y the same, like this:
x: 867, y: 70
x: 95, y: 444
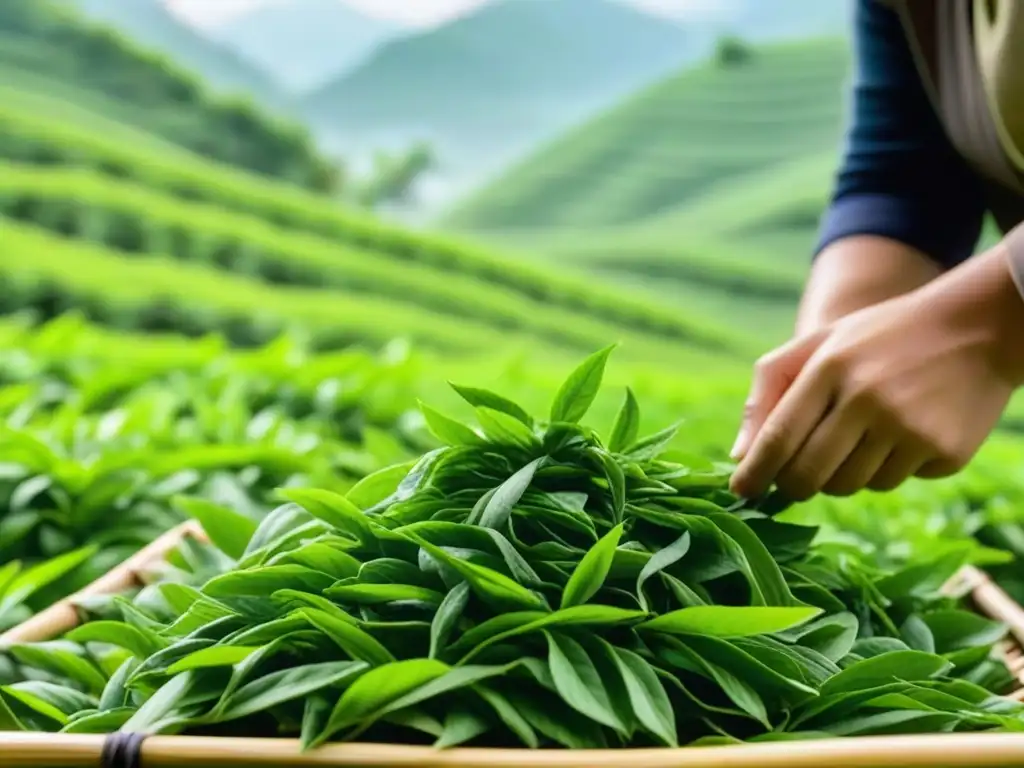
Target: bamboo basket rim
x: 972, y: 750
x: 984, y: 750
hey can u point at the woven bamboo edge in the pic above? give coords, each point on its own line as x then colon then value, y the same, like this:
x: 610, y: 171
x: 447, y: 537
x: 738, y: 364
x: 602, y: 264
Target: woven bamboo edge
x: 995, y: 750
x: 63, y: 615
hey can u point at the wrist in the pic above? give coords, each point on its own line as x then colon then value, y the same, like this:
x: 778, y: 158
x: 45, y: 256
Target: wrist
x: 982, y: 299
x: 858, y: 272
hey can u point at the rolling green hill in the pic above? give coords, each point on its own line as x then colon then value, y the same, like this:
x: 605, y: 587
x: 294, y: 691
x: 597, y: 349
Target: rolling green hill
x: 673, y: 142
x: 47, y: 47
x: 705, y: 189
x: 302, y: 44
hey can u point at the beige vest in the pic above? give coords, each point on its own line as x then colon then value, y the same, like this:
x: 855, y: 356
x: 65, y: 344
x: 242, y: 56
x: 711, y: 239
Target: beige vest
x: 970, y: 54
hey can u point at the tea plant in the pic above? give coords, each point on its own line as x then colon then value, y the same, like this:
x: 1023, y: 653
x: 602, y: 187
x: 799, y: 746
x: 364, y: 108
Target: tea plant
x: 528, y: 584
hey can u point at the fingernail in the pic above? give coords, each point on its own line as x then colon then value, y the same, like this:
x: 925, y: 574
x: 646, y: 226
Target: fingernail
x: 740, y: 445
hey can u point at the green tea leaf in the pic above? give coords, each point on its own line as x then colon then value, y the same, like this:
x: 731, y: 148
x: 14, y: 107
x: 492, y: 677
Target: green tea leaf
x: 729, y: 621
x: 489, y: 585
x: 447, y: 430
x: 955, y: 630
x: 288, y: 685
x: 616, y: 481
x: 447, y: 617
x: 906, y: 666
x: 8, y: 720
x: 652, y: 446
x: 230, y: 531
x: 276, y: 525
x: 267, y: 580
x: 509, y: 625
x: 562, y: 725
x: 647, y: 696
x: 377, y: 688
x: 103, y: 721
x: 508, y: 430
x: 335, y: 510
x: 37, y: 704
x: 627, y: 424
x: 374, y: 594
x: 379, y: 485
x: 578, y: 682
x: 660, y: 560
x: 731, y: 678
x: 588, y: 577
x: 45, y: 697
x: 115, y: 692
x: 56, y: 657
x: 481, y: 398
x: 139, y: 642
x: 767, y: 572
x: 509, y: 715
x: 461, y: 725
x: 357, y: 643
x: 499, y: 507
x: 579, y: 390
x: 33, y: 579
x: 215, y: 656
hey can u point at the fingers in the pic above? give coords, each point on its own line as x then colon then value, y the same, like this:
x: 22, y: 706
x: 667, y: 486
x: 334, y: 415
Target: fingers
x: 862, y: 466
x: 773, y: 376
x: 833, y: 443
x: 936, y: 469
x: 785, y: 431
x: 902, y: 464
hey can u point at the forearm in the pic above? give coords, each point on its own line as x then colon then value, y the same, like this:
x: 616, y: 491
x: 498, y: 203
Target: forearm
x: 981, y: 301
x: 857, y: 272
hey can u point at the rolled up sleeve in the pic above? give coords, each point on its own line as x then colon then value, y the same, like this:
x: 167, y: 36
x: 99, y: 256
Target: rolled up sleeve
x: 900, y: 177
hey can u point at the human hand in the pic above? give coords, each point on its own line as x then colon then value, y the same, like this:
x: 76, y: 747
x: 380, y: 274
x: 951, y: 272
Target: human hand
x: 909, y: 387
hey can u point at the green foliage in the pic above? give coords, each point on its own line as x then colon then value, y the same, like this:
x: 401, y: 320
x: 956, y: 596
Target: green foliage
x: 506, y: 591
x: 100, y: 456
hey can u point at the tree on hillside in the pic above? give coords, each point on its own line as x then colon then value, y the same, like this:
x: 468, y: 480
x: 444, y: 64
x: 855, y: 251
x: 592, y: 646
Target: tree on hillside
x: 731, y: 51
x: 394, y: 176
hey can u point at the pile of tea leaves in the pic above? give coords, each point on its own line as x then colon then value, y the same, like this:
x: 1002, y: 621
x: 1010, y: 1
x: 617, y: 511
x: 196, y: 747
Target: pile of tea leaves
x: 531, y: 584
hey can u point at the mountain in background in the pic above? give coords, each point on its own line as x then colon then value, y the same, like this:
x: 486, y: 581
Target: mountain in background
x: 304, y: 43
x: 486, y: 86
x: 763, y: 20
x: 150, y: 25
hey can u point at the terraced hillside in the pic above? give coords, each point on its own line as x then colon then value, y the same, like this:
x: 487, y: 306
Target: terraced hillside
x: 169, y: 241
x: 46, y: 47
x: 673, y: 143
x: 705, y: 190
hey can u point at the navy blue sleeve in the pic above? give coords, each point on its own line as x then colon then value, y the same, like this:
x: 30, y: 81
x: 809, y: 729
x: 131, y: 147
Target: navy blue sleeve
x: 900, y: 176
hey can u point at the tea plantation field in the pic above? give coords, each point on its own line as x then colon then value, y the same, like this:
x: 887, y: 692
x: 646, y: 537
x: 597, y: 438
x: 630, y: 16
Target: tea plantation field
x: 412, y: 450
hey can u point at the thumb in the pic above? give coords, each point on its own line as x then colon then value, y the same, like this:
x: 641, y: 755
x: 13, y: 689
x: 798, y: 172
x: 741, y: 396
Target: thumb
x: 773, y: 375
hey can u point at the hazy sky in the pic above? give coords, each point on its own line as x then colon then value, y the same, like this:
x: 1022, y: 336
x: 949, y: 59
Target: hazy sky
x: 422, y: 12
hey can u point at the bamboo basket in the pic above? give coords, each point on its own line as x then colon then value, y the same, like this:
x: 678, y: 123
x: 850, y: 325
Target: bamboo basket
x: 38, y: 750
